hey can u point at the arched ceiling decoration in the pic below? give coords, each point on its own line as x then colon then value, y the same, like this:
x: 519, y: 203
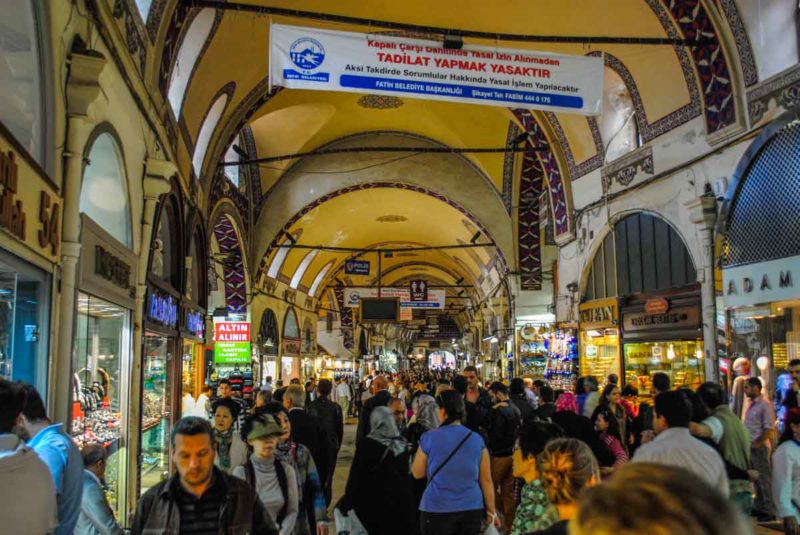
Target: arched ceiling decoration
x: 233, y: 266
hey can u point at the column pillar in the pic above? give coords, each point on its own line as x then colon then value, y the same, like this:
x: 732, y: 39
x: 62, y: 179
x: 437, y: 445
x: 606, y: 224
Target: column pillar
x: 82, y: 89
x: 703, y: 213
x: 155, y: 184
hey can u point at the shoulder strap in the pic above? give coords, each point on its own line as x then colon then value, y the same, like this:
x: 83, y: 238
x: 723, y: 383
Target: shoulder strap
x: 284, y: 485
x: 452, y: 453
x: 250, y: 474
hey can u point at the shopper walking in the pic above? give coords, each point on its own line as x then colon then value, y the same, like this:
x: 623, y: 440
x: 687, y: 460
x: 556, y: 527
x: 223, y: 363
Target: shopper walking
x: 308, y: 430
x: 759, y: 418
x: 786, y: 474
x: 607, y: 427
x: 516, y: 395
x: 343, y: 396
x: 96, y: 517
x: 674, y: 445
x: 191, y: 500
x: 592, y: 397
x: 274, y: 481
x: 580, y: 427
x: 378, y: 487
x: 610, y: 397
x: 475, y: 392
x: 380, y: 398
x: 534, y: 512
x: 456, y: 464
x: 313, y: 516
x: 225, y: 391
x: 229, y: 448
x: 27, y: 493
x: 566, y: 467
x: 502, y: 424
x: 59, y: 453
x: 331, y: 419
x: 732, y: 438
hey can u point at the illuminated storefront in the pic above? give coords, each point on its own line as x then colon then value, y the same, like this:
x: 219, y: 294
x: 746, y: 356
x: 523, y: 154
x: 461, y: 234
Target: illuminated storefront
x: 599, y: 338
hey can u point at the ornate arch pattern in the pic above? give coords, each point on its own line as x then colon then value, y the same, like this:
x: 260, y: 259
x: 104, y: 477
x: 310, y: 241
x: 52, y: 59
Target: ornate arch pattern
x: 233, y: 268
x: 743, y: 48
x: 529, y: 247
x: 346, y: 322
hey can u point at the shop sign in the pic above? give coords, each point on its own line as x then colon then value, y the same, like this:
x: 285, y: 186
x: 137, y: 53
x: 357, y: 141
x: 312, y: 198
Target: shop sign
x: 195, y: 323
x: 162, y: 308
x: 677, y: 318
x: 763, y: 282
x: 356, y: 267
x: 435, y: 300
x: 231, y: 352
x: 419, y: 290
x: 23, y: 188
x: 111, y: 268
x: 599, y: 314
x: 232, y: 331
x: 330, y: 60
x: 657, y: 305
x: 291, y: 347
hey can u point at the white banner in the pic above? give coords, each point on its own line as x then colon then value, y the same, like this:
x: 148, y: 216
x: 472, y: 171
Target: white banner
x: 328, y: 60
x: 353, y: 296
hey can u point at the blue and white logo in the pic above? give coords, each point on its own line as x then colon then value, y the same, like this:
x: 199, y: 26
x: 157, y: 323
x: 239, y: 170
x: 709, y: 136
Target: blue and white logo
x: 307, y: 53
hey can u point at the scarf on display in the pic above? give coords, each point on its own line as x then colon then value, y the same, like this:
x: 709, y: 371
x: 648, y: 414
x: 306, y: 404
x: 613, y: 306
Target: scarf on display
x: 567, y: 402
x: 224, y: 439
x: 427, y: 412
x: 383, y: 429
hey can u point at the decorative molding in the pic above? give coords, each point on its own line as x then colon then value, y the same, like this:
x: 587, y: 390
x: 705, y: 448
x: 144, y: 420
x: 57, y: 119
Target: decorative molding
x: 135, y: 32
x: 346, y: 319
x: 561, y: 204
x: 224, y: 189
x: 154, y: 17
x: 508, y: 167
x: 233, y: 268
x: 379, y: 102
x: 783, y: 88
x: 625, y: 169
x: 529, y: 247
x: 716, y: 84
x: 180, y: 20
x: 743, y: 47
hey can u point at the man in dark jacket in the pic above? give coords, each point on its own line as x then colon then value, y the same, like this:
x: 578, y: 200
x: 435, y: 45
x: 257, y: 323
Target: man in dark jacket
x: 516, y: 392
x: 547, y: 407
x: 501, y: 424
x: 380, y: 398
x: 476, y: 393
x: 200, y: 498
x: 307, y: 429
x: 332, y: 420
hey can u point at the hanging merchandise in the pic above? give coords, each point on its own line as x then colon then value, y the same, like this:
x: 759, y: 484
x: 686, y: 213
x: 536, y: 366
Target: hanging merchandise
x: 562, y: 359
x: 533, y: 350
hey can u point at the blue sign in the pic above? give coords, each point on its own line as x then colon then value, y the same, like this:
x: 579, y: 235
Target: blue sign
x: 356, y: 267
x: 162, y: 308
x: 195, y: 323
x: 307, y: 54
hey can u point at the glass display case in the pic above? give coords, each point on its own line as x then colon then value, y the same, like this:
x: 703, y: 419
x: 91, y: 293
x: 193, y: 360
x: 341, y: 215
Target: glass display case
x: 100, y: 384
x: 681, y: 360
x: 156, y: 410
x: 599, y: 352
x: 533, y: 345
x: 562, y: 359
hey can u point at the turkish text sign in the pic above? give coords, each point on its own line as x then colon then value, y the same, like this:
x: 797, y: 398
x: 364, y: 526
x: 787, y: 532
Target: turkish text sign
x: 231, y: 352
x: 232, y: 331
x: 329, y: 60
x: 353, y: 296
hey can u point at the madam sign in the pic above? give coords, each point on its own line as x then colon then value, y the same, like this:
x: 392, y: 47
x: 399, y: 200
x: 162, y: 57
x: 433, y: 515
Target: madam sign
x: 763, y: 282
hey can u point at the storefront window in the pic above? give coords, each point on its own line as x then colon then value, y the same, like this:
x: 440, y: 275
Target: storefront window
x: 24, y: 322
x: 100, y: 383
x: 768, y: 336
x: 682, y: 361
x: 156, y: 410
x: 599, y: 352
x: 192, y: 378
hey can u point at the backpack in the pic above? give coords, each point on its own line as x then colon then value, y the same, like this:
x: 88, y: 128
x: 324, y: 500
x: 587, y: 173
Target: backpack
x: 280, y: 472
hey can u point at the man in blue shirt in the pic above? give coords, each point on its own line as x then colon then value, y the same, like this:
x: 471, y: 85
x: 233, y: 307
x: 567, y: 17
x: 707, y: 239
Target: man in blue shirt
x: 60, y: 454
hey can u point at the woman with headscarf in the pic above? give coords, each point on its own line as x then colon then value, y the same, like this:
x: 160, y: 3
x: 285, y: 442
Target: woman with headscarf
x: 231, y: 451
x: 378, y: 487
x: 426, y: 418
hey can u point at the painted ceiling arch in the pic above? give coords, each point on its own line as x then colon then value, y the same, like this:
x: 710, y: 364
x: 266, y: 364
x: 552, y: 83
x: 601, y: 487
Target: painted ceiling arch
x: 450, y: 178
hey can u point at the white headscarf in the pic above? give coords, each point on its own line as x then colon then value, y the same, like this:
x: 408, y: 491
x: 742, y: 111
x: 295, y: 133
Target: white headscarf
x: 383, y: 429
x: 426, y: 411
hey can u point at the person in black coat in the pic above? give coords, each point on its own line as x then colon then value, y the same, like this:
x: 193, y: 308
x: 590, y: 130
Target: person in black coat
x: 580, y: 427
x: 379, y: 485
x: 516, y: 394
x: 307, y: 429
x: 381, y: 398
x: 547, y: 408
x: 332, y: 420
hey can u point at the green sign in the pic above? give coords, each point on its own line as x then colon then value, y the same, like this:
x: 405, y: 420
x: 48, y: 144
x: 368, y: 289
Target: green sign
x: 232, y: 353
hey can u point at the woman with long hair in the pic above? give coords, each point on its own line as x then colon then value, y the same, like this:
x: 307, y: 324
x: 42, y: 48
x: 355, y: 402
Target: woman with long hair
x: 455, y: 462
x: 313, y: 510
x: 611, y: 398
x: 566, y: 467
x: 378, y: 487
x: 607, y: 428
x: 231, y: 451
